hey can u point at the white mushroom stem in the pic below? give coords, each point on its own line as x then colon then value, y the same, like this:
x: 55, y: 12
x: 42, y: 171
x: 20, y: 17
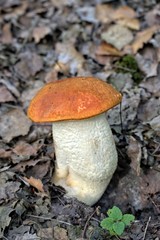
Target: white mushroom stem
x: 86, y: 157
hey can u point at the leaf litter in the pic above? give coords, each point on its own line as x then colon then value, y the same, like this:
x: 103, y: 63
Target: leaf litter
x: 48, y: 40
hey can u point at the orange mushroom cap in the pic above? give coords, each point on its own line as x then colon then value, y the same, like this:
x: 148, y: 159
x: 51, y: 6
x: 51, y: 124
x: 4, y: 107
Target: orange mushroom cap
x: 73, y: 99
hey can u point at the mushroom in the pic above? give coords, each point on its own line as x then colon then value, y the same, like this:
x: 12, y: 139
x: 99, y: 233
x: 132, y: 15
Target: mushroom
x: 86, y: 156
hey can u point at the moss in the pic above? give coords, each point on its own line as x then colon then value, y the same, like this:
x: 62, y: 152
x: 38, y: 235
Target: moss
x: 128, y: 64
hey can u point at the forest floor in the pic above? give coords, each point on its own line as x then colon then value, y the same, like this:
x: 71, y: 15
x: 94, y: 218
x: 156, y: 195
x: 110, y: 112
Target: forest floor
x: 45, y: 40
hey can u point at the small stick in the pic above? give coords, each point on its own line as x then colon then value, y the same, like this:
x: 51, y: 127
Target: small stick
x: 48, y: 218
x: 121, y: 117
x: 145, y: 230
x: 85, y: 227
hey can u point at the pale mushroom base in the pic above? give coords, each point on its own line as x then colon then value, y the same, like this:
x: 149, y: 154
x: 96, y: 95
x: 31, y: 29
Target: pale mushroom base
x: 86, y: 157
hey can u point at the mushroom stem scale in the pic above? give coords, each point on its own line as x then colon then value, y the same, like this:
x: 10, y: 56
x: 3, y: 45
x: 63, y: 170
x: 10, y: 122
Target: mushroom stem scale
x: 86, y: 157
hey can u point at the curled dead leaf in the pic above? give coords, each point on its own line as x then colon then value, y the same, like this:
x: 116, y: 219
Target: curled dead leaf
x: 143, y: 37
x: 34, y: 182
x: 123, y: 12
x: 106, y: 49
x: 104, y: 13
x: 131, y: 23
x: 40, y: 32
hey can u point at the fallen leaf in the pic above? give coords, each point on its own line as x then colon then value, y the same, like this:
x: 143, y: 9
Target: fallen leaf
x: 11, y: 87
x: 16, y: 11
x: 39, y: 170
x: 155, y: 123
x: 30, y: 91
x: 123, y: 12
x: 10, y: 3
x: 40, y: 32
x: 149, y: 109
x: 136, y: 190
x: 6, y: 34
x: 130, y: 103
x: 52, y: 75
x: 4, y: 218
x: 60, y: 233
x: 21, y: 167
x: 29, y: 64
x: 69, y: 57
x: 152, y: 85
x: 23, y: 151
x: 14, y: 123
x: 34, y: 182
x: 61, y: 3
x: 104, y: 13
x: 134, y: 153
x: 43, y: 232
x: 118, y: 36
x: 5, y: 153
x: 87, y: 14
x: 152, y: 17
x: 131, y: 23
x: 5, y: 95
x: 18, y: 232
x: 29, y: 236
x: 148, y: 61
x: 143, y: 37
x: 107, y: 49
x: 8, y: 190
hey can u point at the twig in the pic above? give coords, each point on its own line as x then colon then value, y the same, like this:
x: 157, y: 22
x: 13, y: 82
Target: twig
x: 125, y: 68
x: 4, y: 168
x: 156, y: 169
x: 48, y: 218
x: 121, y: 117
x: 145, y: 230
x: 5, y: 238
x: 85, y: 227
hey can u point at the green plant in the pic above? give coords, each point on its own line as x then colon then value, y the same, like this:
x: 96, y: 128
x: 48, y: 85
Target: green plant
x: 128, y: 64
x: 116, y: 222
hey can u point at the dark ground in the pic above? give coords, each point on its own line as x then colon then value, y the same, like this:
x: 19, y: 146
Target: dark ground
x: 48, y: 40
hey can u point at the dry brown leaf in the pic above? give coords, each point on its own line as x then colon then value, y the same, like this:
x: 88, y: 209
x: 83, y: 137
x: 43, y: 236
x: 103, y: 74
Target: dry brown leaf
x: 5, y: 95
x: 40, y: 32
x: 60, y: 233
x: 5, y: 153
x: 104, y: 13
x: 143, y: 37
x: 106, y: 49
x: 39, y: 170
x: 43, y: 232
x: 34, y: 182
x: 22, y: 151
x: 21, y: 167
x: 131, y: 23
x: 123, y: 12
x: 6, y: 34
